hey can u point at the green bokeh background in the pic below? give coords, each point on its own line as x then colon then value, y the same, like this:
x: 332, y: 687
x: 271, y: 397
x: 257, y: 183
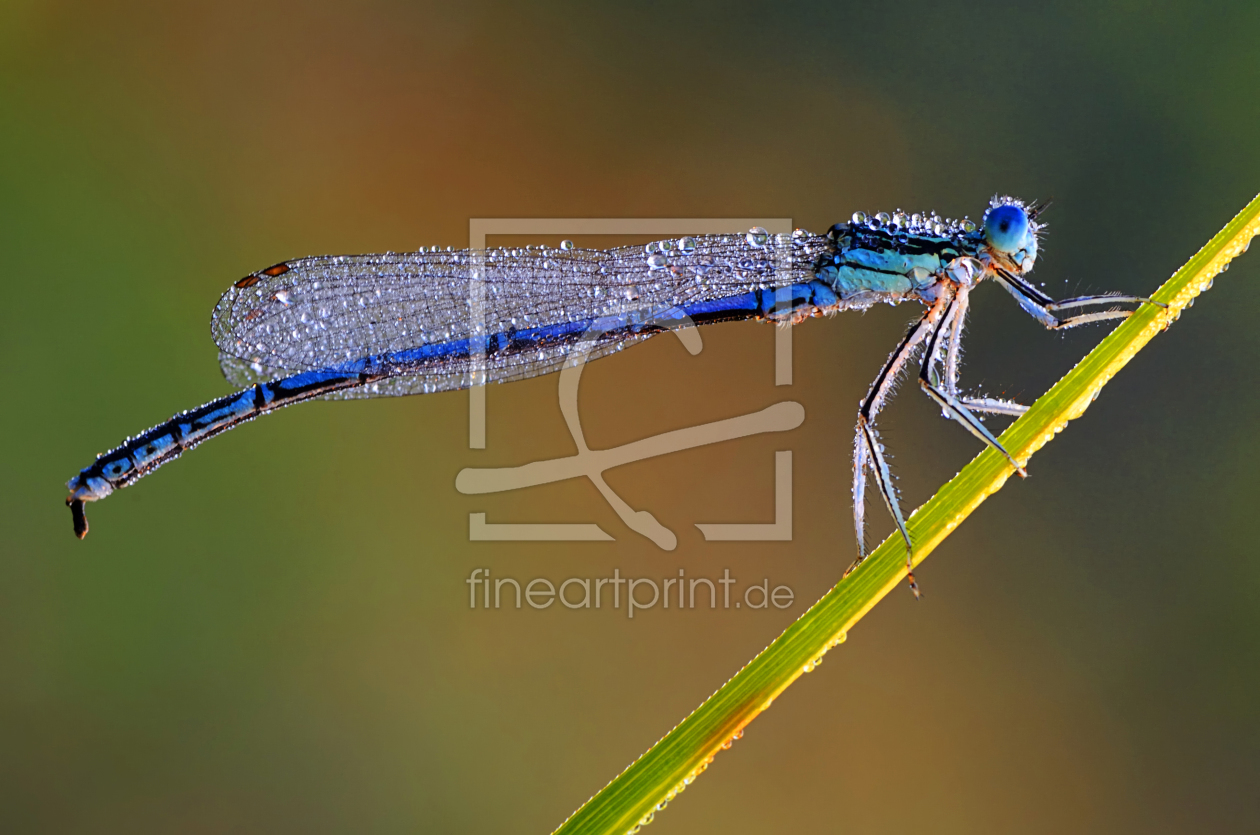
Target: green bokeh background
x: 273, y: 634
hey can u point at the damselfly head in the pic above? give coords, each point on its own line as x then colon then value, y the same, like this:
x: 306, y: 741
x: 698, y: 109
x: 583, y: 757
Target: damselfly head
x: 1011, y: 233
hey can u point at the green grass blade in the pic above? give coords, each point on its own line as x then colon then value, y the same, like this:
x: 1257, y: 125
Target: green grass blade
x: 644, y: 788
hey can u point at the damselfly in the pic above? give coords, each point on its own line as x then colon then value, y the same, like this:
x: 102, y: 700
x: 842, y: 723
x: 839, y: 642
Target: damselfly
x: 411, y: 323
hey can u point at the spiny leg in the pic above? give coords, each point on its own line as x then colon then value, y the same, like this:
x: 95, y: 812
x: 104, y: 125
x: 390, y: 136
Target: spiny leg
x: 1039, y: 305
x: 953, y: 348
x: 870, y: 406
x: 1079, y: 301
x: 1105, y: 298
x: 866, y: 445
x: 883, y: 480
x: 1085, y: 319
x: 950, y: 403
x: 993, y: 406
x: 1036, y: 303
x: 952, y: 340
x: 859, y: 497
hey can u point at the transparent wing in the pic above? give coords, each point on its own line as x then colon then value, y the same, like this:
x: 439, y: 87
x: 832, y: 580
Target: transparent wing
x: 312, y: 313
x: 447, y: 375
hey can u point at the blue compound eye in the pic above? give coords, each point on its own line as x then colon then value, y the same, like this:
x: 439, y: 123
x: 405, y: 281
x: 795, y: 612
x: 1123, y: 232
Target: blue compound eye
x: 1005, y: 228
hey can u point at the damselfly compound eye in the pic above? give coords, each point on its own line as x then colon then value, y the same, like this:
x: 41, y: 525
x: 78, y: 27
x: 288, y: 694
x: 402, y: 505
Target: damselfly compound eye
x: 1005, y: 227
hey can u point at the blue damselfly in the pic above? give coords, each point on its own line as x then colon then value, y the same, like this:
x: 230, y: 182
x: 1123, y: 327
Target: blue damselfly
x: 402, y: 323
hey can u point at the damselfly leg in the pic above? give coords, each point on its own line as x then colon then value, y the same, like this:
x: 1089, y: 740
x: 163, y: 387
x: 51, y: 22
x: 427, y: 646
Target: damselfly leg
x: 942, y: 327
x: 952, y: 405
x: 868, y: 452
x: 953, y: 355
x: 1041, y: 307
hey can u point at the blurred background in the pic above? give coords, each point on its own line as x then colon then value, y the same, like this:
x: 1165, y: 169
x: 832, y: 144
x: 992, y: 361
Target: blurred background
x: 273, y: 634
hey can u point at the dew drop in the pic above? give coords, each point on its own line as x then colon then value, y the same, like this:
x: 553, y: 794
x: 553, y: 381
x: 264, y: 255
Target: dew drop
x: 656, y: 261
x: 687, y: 245
x: 859, y: 217
x: 567, y: 245
x: 757, y: 237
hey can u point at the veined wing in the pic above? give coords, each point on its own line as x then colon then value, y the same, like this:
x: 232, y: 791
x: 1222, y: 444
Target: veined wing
x: 318, y: 312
